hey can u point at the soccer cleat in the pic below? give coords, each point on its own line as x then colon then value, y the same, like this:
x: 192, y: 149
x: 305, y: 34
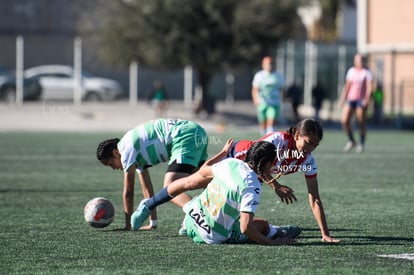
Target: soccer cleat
x: 348, y: 147
x: 360, y: 148
x: 182, y: 231
x: 287, y: 231
x: 140, y: 215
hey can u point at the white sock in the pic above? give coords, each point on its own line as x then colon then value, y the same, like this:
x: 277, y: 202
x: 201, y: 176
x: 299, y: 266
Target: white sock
x: 272, y: 231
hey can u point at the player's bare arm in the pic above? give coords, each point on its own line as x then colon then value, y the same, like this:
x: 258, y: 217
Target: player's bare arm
x: 255, y: 95
x: 222, y: 154
x: 368, y: 93
x: 316, y: 205
x: 248, y: 228
x: 344, y: 93
x: 128, y: 195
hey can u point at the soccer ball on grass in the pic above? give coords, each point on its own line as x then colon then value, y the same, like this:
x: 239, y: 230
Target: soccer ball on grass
x: 99, y: 212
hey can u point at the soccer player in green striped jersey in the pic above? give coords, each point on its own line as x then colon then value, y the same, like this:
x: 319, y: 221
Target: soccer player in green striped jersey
x: 224, y: 212
x: 181, y: 143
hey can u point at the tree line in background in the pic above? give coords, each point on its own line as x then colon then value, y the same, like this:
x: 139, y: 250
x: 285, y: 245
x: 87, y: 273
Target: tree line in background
x: 209, y: 35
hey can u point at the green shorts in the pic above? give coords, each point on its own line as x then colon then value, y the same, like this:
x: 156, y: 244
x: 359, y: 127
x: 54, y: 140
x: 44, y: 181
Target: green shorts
x: 236, y: 236
x: 267, y: 112
x: 192, y: 231
x: 189, y: 146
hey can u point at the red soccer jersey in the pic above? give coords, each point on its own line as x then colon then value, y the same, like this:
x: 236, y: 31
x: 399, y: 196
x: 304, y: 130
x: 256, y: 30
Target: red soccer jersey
x: 288, y: 159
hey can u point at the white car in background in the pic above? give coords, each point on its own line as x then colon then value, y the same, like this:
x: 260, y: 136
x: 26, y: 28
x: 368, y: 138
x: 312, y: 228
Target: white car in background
x: 57, y: 83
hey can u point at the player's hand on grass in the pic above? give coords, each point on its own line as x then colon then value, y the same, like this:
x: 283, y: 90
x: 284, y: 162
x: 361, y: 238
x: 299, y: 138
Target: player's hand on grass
x: 329, y: 239
x: 285, y: 193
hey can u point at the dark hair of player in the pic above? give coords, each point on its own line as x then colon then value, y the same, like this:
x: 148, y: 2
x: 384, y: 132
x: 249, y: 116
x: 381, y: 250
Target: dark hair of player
x: 259, y: 154
x: 307, y: 127
x: 105, y: 149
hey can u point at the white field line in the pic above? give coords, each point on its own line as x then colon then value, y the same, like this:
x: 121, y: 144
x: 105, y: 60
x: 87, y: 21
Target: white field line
x: 405, y: 256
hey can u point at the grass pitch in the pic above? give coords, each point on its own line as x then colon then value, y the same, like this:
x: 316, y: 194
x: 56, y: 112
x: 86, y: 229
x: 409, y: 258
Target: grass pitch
x: 47, y: 178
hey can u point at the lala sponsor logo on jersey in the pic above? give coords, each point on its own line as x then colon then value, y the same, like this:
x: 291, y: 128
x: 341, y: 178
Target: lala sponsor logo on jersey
x: 199, y: 219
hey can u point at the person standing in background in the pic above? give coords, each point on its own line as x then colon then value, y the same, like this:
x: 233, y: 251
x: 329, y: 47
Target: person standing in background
x: 354, y: 100
x: 294, y: 93
x: 266, y: 93
x: 158, y: 97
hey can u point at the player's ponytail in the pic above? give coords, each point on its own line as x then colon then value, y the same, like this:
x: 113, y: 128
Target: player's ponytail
x: 307, y: 127
x: 259, y: 154
x: 105, y: 148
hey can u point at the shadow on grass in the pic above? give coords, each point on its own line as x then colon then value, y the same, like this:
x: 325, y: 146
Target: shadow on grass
x: 332, y: 230
x: 315, y: 240
x: 381, y: 240
x: 355, y: 239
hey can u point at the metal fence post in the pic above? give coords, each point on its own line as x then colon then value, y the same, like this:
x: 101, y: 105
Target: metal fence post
x: 77, y: 65
x: 133, y: 83
x: 188, y: 86
x: 19, y: 69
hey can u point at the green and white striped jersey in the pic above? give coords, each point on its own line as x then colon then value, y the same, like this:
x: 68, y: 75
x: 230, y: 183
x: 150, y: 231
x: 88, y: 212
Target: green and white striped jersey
x: 270, y: 85
x: 235, y: 188
x: 163, y: 140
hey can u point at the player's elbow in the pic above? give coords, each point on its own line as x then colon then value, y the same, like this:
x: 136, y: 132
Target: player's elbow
x: 244, y: 229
